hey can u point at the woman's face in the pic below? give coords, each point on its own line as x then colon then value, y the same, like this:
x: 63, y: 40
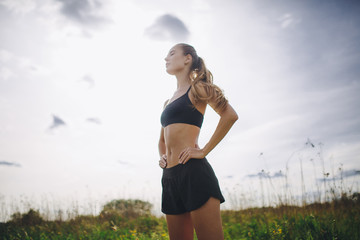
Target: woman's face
x: 175, y: 60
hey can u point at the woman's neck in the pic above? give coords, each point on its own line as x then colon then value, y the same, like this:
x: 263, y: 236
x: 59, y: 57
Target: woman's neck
x: 183, y: 81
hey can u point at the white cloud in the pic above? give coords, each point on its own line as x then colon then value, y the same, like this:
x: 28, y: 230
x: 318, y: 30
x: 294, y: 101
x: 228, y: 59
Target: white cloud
x: 94, y: 120
x: 200, y: 5
x: 6, y: 73
x: 89, y: 80
x: 12, y: 65
x: 19, y: 6
x: 288, y: 20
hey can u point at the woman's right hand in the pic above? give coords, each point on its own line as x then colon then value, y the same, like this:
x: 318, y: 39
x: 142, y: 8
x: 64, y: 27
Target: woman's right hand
x: 163, y: 161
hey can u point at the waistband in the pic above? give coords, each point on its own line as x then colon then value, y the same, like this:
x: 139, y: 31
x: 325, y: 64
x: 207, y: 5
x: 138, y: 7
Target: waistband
x: 178, y: 169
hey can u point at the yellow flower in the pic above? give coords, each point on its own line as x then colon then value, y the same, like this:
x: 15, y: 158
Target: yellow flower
x: 279, y: 230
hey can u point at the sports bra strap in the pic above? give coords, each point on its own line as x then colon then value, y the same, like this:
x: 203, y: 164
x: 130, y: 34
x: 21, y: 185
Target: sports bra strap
x: 188, y: 89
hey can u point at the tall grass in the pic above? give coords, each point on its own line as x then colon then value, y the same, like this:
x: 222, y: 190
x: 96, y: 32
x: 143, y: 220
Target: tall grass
x: 332, y: 211
x: 131, y: 219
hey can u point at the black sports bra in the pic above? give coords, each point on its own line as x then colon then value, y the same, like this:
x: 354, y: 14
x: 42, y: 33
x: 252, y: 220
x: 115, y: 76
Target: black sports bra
x: 181, y: 110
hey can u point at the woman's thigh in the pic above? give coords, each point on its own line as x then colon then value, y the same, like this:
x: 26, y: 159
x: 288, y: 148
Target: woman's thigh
x: 180, y: 226
x: 207, y: 220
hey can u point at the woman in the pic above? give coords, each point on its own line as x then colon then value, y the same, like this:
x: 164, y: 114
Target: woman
x: 191, y: 195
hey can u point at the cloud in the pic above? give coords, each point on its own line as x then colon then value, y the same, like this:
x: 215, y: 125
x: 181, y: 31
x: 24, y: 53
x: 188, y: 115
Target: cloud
x: 288, y: 20
x: 266, y: 175
x: 88, y: 79
x: 57, y: 122
x: 82, y: 11
x: 10, y: 164
x: 168, y: 27
x: 278, y: 174
x: 123, y: 162
x: 12, y: 65
x: 19, y: 6
x: 342, y: 175
x: 350, y: 173
x: 94, y: 120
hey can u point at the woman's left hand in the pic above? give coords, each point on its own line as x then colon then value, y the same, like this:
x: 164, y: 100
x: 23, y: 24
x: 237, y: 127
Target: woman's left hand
x: 189, y: 153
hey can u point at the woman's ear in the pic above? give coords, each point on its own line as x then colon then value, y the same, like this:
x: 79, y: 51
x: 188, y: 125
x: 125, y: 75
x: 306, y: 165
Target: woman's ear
x: 188, y: 59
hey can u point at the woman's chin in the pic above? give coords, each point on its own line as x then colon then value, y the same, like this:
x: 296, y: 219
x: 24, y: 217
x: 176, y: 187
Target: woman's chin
x: 170, y: 72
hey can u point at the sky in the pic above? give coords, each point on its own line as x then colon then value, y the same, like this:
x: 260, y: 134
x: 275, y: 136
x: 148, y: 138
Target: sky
x: 83, y: 82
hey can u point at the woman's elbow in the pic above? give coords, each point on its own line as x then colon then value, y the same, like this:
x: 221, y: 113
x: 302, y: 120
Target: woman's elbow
x: 234, y: 117
x: 231, y: 117
x: 229, y: 114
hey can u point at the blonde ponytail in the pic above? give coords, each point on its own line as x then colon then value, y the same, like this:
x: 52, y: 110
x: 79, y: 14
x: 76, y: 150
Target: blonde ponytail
x: 201, y: 78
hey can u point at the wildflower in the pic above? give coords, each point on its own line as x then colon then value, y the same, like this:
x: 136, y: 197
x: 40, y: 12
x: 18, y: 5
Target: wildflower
x: 133, y: 232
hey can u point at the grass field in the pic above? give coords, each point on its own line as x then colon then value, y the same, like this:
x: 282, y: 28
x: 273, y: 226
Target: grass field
x: 331, y: 212
x: 131, y: 219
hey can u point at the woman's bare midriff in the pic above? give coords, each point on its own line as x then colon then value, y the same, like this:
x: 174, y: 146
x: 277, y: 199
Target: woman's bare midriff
x: 179, y: 136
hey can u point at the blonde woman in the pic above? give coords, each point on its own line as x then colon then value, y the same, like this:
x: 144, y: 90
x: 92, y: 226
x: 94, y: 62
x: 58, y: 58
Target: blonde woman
x: 191, y: 194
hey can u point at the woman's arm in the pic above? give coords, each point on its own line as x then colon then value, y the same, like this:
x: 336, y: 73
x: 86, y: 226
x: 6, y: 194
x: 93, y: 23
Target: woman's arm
x: 162, y: 146
x: 162, y: 150
x: 228, y: 117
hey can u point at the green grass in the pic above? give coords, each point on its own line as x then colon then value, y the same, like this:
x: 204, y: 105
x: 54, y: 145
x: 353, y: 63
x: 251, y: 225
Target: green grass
x: 131, y: 219
x: 339, y: 219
